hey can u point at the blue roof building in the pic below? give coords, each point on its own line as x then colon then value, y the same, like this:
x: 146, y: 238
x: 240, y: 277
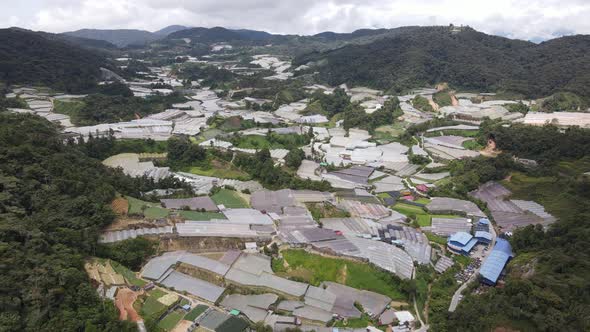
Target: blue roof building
x: 461, y: 243
x: 483, y: 236
x: 483, y: 225
x: 492, y: 267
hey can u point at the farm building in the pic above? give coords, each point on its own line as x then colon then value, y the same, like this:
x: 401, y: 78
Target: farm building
x: 483, y: 237
x: 561, y: 119
x: 197, y: 287
x: 444, y: 205
x: 255, y: 271
x: 194, y: 203
x: 443, y: 264
x: 255, y: 307
x: 221, y: 228
x: 492, y: 267
x: 448, y: 226
x: 461, y: 243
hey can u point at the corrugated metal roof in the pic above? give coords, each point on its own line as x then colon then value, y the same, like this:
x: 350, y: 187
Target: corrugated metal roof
x: 460, y: 238
x: 492, y: 267
x: 200, y: 288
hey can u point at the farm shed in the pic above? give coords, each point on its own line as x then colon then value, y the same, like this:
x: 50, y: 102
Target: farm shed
x: 197, y: 287
x: 443, y: 205
x: 448, y: 226
x: 194, y: 203
x: 494, y: 264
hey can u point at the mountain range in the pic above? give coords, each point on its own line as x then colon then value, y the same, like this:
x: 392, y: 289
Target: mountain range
x: 388, y: 59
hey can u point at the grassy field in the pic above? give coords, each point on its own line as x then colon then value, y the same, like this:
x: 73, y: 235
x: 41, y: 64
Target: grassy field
x: 152, y: 308
x: 472, y: 145
x: 545, y: 191
x: 230, y: 199
x: 169, y: 322
x: 321, y: 210
x: 70, y: 108
x: 127, y: 274
x: 203, y: 216
x: 408, y: 209
x: 220, y: 169
x: 355, y: 323
x: 198, y: 310
x: 148, y: 209
x: 436, y: 238
x: 422, y: 200
x: 316, y: 269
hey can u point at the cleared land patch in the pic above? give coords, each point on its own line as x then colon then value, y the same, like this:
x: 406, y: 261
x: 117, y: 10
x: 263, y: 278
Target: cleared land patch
x: 230, y: 199
x: 316, y: 269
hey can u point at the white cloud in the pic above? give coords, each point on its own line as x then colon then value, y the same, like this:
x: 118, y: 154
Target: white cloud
x: 539, y: 19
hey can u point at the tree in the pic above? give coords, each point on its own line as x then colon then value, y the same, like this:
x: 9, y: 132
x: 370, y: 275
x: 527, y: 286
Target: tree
x: 294, y: 158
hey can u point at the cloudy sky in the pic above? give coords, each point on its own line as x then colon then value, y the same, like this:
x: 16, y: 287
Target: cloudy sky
x: 531, y: 19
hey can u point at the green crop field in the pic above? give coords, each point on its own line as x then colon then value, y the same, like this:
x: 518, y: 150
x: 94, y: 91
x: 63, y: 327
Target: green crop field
x: 408, y: 209
x: 202, y: 216
x: 169, y: 322
x: 151, y: 308
x: 127, y: 274
x: 230, y: 199
x: 223, y: 173
x: 316, y: 269
x: 436, y: 238
x: 148, y: 209
x: 196, y: 312
x: 157, y: 293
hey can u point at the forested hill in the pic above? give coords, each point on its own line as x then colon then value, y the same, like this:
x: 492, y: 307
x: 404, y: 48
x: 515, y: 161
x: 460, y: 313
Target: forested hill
x: 28, y: 57
x: 54, y: 201
x: 119, y: 37
x: 467, y: 59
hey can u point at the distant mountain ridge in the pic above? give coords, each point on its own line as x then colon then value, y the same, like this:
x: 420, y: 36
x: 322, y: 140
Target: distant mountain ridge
x: 170, y: 29
x: 119, y: 37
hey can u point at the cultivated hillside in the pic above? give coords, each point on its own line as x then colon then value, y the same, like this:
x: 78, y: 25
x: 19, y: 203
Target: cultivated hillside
x: 468, y: 59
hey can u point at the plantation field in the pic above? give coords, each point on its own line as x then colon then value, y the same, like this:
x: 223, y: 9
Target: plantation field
x: 316, y: 269
x: 194, y: 215
x: 127, y: 274
x: 230, y: 199
x: 193, y: 314
x: 169, y: 322
x: 147, y: 209
x: 220, y: 169
x: 152, y: 308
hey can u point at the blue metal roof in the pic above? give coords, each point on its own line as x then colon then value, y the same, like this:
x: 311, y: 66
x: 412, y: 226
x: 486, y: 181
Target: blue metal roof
x: 467, y: 248
x: 498, y: 258
x: 483, y: 235
x: 484, y: 221
x: 460, y: 238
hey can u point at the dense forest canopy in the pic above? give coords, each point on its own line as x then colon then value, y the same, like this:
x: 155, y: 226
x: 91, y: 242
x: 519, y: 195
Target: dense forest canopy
x: 467, y: 60
x: 31, y: 58
x: 54, y: 200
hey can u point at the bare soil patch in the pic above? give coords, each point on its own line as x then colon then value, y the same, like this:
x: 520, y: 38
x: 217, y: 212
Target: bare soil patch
x: 124, y: 302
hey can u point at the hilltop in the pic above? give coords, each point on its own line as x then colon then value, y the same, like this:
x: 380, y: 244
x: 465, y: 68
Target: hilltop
x: 467, y: 59
x: 119, y: 37
x: 28, y: 57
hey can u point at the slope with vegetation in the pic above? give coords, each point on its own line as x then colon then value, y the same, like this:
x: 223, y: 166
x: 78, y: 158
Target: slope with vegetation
x: 54, y: 202
x: 27, y: 57
x: 468, y: 59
